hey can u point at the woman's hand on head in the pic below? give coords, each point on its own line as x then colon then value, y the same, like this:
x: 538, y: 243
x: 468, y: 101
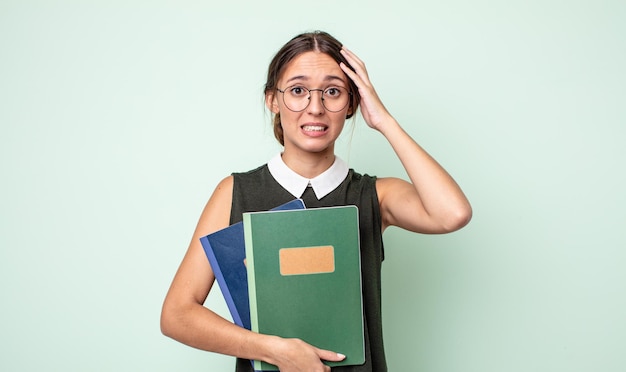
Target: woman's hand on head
x: 372, y: 108
x: 295, y: 355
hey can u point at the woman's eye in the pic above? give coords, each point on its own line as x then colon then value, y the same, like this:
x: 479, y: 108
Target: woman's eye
x: 298, y: 91
x: 333, y: 92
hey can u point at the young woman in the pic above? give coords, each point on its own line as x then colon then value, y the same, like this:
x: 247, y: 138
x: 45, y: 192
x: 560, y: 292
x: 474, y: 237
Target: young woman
x: 313, y: 85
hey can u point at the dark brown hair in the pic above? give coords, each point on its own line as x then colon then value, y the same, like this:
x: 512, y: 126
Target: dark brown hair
x: 316, y: 41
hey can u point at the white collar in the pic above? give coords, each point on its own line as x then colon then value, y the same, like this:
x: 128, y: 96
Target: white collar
x: 322, y: 185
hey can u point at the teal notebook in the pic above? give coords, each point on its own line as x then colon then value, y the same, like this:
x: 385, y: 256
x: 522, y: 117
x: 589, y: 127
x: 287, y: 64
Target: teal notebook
x: 304, y: 278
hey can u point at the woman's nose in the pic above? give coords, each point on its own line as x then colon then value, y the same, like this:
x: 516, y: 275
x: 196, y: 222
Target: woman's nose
x: 316, y: 104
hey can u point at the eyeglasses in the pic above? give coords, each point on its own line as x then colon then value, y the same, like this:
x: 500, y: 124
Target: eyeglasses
x: 297, y: 98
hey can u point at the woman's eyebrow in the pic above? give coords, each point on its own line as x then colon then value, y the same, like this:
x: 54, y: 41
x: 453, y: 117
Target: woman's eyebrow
x: 334, y: 77
x: 299, y: 77
x: 306, y: 78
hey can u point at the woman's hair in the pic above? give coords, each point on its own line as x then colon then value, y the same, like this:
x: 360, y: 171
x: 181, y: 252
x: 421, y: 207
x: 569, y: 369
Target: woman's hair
x: 316, y: 41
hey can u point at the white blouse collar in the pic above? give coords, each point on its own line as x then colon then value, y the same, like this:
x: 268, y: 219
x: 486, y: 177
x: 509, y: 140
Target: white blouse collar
x: 322, y: 185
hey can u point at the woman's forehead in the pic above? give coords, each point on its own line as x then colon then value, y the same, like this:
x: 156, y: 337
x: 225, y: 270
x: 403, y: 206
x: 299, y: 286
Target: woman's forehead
x: 313, y: 66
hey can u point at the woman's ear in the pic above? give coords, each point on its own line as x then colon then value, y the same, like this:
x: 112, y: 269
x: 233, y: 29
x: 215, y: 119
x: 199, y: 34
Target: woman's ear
x: 350, y: 112
x: 271, y: 102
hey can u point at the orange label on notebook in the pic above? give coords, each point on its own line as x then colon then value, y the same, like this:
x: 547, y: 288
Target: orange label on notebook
x: 307, y: 260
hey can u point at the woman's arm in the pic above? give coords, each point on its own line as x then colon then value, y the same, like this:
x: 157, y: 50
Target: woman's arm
x: 432, y: 202
x: 183, y: 316
x: 185, y: 319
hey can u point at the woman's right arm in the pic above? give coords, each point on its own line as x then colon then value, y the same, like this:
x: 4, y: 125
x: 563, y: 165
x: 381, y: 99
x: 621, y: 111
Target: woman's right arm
x: 185, y: 318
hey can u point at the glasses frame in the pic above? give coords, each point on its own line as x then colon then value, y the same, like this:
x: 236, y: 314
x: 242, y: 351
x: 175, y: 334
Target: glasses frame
x: 309, y: 97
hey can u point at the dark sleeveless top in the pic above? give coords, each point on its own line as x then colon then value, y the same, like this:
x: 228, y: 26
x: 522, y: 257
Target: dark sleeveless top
x: 257, y: 190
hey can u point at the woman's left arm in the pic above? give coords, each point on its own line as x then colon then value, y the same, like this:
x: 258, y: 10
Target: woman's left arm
x: 433, y: 202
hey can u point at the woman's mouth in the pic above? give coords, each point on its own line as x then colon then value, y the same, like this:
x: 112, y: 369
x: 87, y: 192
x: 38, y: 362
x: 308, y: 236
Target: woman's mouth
x: 313, y: 128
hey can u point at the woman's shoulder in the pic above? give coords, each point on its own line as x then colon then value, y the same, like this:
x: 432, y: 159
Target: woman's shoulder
x: 224, y: 188
x: 252, y: 172
x: 362, y: 177
x: 253, y: 182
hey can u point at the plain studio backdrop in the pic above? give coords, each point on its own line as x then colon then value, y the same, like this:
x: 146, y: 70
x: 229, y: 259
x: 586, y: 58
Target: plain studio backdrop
x: 118, y: 118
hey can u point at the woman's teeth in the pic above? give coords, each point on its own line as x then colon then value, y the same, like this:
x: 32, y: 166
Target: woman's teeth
x: 313, y: 128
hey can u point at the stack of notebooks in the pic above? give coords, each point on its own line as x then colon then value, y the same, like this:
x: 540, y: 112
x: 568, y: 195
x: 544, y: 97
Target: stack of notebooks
x: 301, y: 278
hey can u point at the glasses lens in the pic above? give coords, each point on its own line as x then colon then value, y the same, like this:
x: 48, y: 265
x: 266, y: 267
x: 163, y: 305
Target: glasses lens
x: 334, y: 99
x: 296, y: 98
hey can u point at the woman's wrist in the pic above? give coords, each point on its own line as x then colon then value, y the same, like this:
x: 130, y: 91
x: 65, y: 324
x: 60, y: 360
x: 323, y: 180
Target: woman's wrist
x: 388, y: 127
x: 266, y: 348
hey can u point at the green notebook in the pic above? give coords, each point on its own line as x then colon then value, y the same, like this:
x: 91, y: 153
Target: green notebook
x: 304, y: 278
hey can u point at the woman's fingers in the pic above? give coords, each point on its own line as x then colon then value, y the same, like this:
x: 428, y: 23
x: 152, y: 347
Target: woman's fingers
x: 372, y: 108
x: 330, y: 356
x: 357, y: 65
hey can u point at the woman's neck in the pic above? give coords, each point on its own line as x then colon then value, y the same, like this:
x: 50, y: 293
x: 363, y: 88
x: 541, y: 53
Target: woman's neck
x: 307, y: 164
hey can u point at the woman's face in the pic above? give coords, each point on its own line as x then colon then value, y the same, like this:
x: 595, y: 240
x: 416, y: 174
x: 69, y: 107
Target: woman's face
x: 315, y: 128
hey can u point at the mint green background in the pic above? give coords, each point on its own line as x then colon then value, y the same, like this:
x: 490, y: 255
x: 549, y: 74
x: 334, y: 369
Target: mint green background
x: 118, y: 118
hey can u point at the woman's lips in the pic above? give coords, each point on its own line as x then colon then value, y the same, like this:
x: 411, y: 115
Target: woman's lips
x: 314, y: 129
